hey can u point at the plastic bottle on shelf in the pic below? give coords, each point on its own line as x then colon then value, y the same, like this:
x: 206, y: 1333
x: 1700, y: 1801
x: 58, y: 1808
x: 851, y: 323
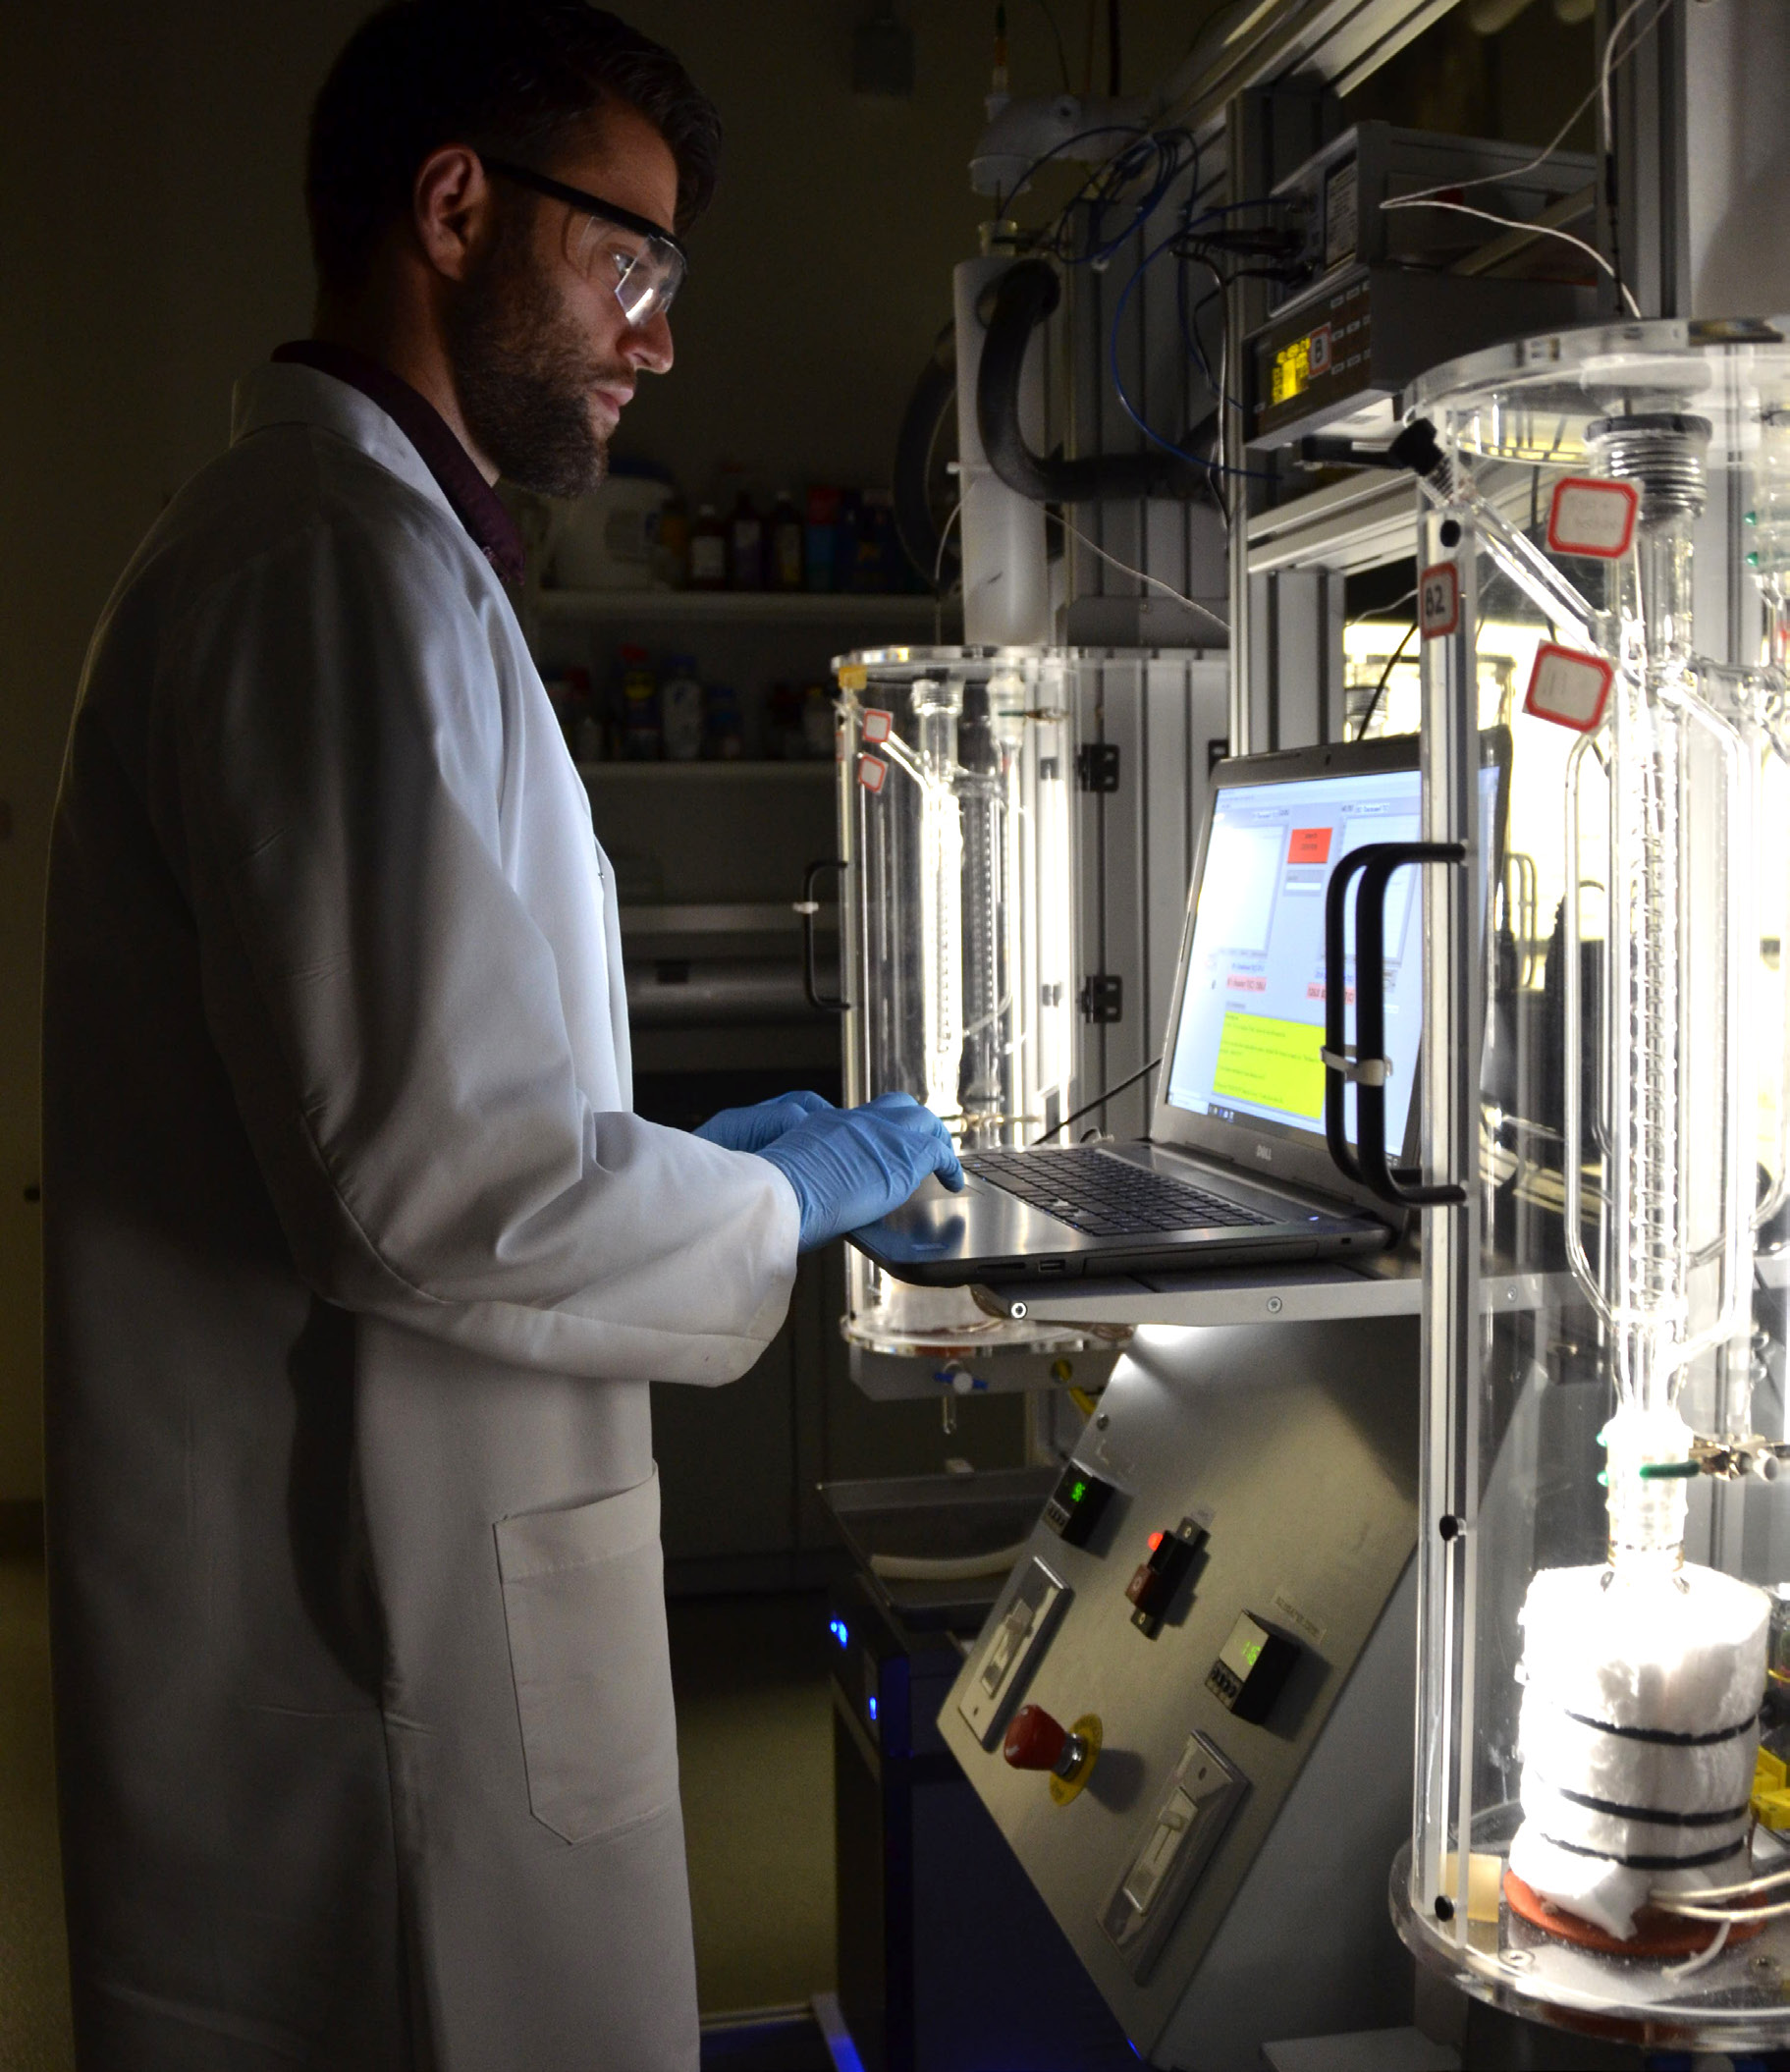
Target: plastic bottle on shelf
x: 680, y: 709
x: 788, y: 544
x: 642, y: 737
x: 726, y: 725
x: 708, y: 550
x: 817, y: 722
x: 672, y: 557
x: 818, y: 542
x: 745, y: 545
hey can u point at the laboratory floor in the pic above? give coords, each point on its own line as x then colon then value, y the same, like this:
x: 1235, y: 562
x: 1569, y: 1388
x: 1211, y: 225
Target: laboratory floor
x: 755, y: 1744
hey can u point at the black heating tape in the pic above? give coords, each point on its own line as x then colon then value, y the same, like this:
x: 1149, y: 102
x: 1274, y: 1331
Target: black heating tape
x: 1663, y: 1737
x: 1655, y: 1863
x: 1659, y: 1815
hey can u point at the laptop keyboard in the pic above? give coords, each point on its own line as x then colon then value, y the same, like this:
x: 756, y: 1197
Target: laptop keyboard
x: 1105, y: 1196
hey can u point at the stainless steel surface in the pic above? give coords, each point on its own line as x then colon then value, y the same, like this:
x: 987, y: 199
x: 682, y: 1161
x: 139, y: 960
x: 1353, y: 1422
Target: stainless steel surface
x: 1389, y: 1285
x: 683, y: 992
x: 1299, y: 1441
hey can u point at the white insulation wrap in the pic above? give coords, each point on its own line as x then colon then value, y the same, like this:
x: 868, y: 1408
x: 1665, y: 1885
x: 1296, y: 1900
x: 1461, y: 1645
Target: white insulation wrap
x: 1638, y: 1733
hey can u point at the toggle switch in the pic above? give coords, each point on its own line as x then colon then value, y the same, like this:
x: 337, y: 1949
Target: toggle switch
x: 1036, y: 1741
x: 1161, y: 1574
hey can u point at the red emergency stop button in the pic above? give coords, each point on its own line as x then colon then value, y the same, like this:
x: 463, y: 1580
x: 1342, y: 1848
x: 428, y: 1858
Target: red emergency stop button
x: 1034, y: 1740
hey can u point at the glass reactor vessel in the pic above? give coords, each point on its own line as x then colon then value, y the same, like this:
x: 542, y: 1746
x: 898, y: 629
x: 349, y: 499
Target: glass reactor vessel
x: 956, y: 777
x: 1602, y: 1828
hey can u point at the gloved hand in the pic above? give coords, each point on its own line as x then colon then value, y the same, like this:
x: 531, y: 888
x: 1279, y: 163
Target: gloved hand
x: 849, y: 1166
x: 752, y: 1128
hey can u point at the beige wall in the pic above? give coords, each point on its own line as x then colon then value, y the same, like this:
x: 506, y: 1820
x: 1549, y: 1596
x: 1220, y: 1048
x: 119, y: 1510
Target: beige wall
x: 151, y: 245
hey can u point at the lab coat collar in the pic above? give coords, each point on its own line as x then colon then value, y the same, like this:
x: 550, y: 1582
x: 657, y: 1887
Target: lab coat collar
x: 289, y: 392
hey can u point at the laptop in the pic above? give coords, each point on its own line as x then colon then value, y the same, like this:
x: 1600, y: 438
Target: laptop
x: 1235, y: 1168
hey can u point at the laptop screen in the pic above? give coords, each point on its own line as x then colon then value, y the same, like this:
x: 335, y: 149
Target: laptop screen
x: 1252, y: 1003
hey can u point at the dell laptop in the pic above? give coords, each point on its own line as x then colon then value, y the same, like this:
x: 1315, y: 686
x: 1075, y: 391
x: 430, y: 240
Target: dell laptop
x: 1235, y: 1168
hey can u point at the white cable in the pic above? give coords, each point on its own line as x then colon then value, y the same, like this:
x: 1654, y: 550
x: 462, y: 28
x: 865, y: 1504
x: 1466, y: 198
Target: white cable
x: 1702, y: 1956
x: 1124, y: 568
x: 1536, y: 230
x: 1599, y: 92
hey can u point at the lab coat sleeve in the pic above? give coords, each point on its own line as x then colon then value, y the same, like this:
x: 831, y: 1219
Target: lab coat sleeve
x: 388, y: 1012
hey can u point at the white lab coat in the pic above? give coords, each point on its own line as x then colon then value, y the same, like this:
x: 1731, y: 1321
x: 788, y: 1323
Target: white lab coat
x: 358, y: 1268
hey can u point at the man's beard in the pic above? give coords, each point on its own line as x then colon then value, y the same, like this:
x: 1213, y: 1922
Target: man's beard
x: 523, y: 371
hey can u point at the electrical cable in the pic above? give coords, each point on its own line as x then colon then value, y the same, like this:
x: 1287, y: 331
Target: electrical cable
x: 938, y: 573
x: 1124, y: 568
x: 1599, y: 92
x: 1099, y: 1101
x: 1202, y: 460
x: 1062, y: 56
x: 1535, y: 230
x: 1003, y: 202
x: 1385, y: 677
x: 1433, y: 197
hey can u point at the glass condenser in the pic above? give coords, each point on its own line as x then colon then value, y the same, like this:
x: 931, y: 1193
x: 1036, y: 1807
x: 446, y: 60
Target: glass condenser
x: 956, y: 782
x: 1602, y: 1827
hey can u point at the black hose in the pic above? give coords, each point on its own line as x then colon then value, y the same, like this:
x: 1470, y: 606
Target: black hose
x: 927, y: 407
x: 1023, y: 297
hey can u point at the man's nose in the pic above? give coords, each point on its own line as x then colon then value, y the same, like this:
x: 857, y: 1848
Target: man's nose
x: 648, y: 347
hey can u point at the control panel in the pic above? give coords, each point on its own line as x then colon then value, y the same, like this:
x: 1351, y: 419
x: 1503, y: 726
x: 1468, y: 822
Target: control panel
x: 1190, y: 1715
x: 1009, y: 1648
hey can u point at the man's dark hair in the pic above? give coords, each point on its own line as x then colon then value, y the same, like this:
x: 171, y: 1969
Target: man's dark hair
x: 519, y: 79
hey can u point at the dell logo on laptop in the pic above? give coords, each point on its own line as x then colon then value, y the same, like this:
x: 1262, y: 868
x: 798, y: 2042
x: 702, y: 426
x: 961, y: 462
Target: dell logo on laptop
x: 1265, y: 1154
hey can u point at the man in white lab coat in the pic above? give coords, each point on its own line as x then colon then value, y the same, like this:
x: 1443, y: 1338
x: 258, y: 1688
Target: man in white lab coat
x: 358, y: 1262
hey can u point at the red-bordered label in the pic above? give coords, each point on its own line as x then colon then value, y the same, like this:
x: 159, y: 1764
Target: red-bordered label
x: 1438, y: 600
x: 872, y: 770
x: 1588, y: 517
x: 877, y: 724
x: 1568, y: 687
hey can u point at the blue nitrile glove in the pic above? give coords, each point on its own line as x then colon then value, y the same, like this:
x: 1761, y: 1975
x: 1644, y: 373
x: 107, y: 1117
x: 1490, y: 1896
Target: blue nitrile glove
x: 752, y: 1128
x: 849, y: 1166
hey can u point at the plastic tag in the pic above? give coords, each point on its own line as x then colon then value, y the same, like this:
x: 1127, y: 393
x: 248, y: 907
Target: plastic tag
x: 1592, y: 518
x: 1438, y: 600
x: 1568, y: 688
x: 878, y: 724
x: 871, y: 772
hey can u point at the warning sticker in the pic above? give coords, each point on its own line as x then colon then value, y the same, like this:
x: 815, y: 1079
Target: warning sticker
x: 876, y: 723
x: 1438, y: 600
x: 871, y: 772
x: 1592, y: 518
x: 1568, y: 688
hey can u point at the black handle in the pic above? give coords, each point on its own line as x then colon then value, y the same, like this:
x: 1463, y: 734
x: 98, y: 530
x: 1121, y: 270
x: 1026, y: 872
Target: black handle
x: 808, y: 907
x: 1367, y: 1164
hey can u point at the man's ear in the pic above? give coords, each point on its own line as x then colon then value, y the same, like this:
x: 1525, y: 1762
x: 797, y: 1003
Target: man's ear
x: 451, y: 209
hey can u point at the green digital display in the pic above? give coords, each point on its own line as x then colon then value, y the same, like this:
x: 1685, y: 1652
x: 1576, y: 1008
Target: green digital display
x: 1077, y: 1491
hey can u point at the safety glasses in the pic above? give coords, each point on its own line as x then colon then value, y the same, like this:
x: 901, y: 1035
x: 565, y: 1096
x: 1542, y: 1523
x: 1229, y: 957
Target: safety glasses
x: 643, y: 264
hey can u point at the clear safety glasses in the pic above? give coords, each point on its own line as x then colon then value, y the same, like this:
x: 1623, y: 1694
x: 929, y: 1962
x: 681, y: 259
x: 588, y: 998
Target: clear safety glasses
x: 643, y: 264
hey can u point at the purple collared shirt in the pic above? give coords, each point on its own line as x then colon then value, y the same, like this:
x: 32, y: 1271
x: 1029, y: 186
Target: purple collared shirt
x: 475, y: 503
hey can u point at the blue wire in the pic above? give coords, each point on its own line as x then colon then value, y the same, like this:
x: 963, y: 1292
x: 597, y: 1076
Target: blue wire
x: 1124, y: 401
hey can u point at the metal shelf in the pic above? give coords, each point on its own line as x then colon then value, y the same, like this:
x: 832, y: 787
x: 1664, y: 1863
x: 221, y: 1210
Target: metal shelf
x: 741, y: 918
x: 741, y: 607
x: 1391, y: 1286
x: 707, y: 773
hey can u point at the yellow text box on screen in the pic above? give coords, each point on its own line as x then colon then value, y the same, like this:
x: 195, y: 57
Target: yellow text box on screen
x: 1273, y: 1063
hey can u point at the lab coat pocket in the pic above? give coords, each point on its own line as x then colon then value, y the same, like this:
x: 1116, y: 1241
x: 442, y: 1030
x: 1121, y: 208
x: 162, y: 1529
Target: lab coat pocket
x: 585, y: 1603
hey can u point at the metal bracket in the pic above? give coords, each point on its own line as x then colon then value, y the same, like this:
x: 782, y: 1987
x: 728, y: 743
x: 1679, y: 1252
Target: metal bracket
x: 1097, y: 767
x: 1102, y: 998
